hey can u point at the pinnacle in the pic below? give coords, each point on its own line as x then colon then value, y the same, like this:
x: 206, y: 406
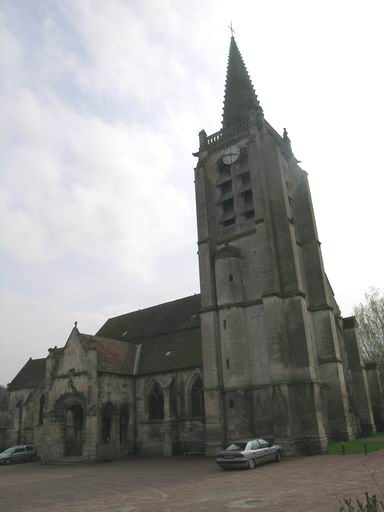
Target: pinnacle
x: 240, y: 95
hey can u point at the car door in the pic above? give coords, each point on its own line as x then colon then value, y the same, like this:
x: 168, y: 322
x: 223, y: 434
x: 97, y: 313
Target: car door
x: 264, y: 451
x: 255, y: 450
x: 19, y: 454
x: 267, y: 449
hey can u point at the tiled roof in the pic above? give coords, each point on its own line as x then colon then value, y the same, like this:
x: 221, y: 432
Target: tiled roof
x: 112, y: 355
x: 172, y: 327
x: 30, y: 376
x: 168, y: 317
x: 167, y: 352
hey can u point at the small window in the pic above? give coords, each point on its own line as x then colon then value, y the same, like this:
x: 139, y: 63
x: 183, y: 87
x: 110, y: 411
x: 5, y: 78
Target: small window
x: 227, y: 361
x: 250, y: 214
x: 227, y: 206
x: 224, y: 324
x: 231, y: 404
x: 247, y: 197
x: 226, y: 188
x: 229, y: 222
x: 230, y: 278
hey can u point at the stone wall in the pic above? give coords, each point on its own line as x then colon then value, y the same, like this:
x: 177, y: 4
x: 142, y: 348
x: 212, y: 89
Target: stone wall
x: 24, y: 417
x: 178, y: 431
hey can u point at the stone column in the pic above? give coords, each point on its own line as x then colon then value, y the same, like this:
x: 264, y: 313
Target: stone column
x: 376, y: 392
x: 359, y: 378
x: 91, y: 413
x: 167, y: 424
x: 332, y: 373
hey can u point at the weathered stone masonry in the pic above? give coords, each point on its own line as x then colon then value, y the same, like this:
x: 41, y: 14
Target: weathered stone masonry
x: 262, y: 351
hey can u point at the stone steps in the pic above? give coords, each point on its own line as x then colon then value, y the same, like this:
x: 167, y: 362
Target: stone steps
x: 67, y: 460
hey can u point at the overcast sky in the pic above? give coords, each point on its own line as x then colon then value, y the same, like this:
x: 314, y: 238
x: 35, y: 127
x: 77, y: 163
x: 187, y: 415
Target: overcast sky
x: 101, y: 103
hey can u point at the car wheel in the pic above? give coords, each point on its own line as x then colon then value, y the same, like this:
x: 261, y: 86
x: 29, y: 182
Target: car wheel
x: 278, y: 456
x: 251, y: 464
x: 7, y: 461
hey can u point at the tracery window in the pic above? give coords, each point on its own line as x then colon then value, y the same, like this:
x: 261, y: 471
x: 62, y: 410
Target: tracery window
x: 156, y: 403
x: 197, y: 399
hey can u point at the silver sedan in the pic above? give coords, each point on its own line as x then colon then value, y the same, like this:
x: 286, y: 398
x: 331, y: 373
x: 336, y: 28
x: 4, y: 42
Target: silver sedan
x: 248, y: 454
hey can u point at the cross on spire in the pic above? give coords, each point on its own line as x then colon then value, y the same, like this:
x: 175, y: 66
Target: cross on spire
x: 231, y: 28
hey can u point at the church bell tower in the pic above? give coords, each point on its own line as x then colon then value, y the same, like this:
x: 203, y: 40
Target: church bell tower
x: 272, y: 351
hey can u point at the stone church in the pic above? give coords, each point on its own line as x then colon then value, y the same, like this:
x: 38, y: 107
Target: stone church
x: 262, y: 351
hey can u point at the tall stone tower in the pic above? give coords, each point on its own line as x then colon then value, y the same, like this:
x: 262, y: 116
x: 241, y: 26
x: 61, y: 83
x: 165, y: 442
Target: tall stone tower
x: 273, y: 341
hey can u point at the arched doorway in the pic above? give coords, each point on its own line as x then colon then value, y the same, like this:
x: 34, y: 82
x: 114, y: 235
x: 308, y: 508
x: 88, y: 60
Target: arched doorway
x: 73, y: 431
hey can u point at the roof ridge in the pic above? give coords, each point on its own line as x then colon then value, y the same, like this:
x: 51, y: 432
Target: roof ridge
x: 154, y: 306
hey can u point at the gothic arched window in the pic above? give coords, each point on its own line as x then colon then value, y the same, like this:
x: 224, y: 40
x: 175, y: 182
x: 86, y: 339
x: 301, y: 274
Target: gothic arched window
x: 106, y: 422
x: 173, y: 399
x: 41, y: 409
x: 156, y: 403
x: 124, y: 421
x: 197, y: 399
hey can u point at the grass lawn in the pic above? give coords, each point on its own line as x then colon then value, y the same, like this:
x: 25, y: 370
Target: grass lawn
x: 374, y: 442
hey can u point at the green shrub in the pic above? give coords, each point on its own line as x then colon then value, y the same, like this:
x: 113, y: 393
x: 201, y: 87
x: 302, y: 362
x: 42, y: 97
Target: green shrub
x: 372, y: 504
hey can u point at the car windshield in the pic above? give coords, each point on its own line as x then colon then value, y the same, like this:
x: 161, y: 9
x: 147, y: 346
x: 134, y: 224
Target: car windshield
x: 8, y: 450
x: 236, y: 447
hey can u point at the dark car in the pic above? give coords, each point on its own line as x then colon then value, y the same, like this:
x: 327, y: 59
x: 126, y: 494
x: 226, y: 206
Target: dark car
x: 20, y: 453
x: 248, y: 454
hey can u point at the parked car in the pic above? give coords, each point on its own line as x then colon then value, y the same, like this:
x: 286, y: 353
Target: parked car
x: 20, y: 453
x: 248, y: 454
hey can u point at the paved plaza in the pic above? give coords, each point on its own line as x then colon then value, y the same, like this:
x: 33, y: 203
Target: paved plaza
x: 183, y: 484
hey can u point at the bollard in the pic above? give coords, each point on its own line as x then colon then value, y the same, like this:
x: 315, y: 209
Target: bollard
x: 365, y: 449
x: 342, y: 449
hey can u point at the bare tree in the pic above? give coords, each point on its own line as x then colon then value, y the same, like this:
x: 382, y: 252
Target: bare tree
x: 370, y: 317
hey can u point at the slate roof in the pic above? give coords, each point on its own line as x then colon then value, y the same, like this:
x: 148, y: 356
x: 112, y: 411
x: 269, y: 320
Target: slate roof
x: 167, y: 352
x: 161, y: 319
x: 112, y: 355
x: 30, y: 376
x: 171, y: 328
x: 240, y: 95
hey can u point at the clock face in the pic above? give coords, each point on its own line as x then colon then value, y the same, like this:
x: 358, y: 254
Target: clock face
x: 231, y: 154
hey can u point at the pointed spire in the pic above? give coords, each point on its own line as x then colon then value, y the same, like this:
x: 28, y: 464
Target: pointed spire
x: 240, y: 96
